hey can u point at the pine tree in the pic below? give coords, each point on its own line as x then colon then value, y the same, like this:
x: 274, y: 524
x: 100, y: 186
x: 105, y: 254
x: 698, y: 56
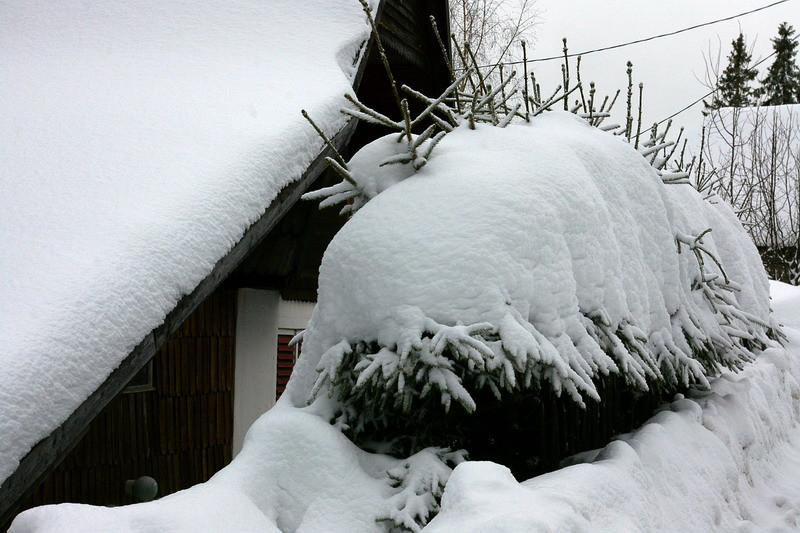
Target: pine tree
x: 782, y: 83
x: 733, y: 86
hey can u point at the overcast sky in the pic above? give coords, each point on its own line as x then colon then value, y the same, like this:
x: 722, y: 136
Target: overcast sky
x: 669, y: 67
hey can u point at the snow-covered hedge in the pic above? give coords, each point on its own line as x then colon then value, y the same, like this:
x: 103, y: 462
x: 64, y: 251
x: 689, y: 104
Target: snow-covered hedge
x: 539, y: 254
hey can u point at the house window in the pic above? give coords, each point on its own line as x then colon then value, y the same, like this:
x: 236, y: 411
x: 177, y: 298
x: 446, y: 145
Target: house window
x: 142, y: 381
x: 287, y: 355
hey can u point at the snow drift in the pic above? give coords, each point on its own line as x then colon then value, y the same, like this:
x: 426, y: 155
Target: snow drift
x: 548, y: 252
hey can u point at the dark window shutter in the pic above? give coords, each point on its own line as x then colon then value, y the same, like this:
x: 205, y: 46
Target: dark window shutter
x: 287, y: 355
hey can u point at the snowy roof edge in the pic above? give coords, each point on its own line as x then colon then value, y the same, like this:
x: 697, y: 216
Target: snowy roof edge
x: 46, y: 454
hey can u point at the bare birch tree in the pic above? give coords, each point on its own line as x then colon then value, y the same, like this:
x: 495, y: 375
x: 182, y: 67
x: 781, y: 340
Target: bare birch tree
x: 753, y: 161
x: 490, y: 27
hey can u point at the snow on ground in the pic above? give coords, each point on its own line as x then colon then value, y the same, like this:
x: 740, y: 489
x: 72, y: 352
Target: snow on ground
x: 139, y: 140
x: 784, y: 303
x: 720, y: 461
x: 295, y: 473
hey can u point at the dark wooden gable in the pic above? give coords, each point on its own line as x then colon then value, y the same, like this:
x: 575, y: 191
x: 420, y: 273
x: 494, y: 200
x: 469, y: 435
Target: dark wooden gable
x: 288, y: 259
x: 281, y: 250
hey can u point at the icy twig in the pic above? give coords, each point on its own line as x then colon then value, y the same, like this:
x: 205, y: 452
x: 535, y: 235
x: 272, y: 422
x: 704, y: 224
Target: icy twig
x: 324, y: 137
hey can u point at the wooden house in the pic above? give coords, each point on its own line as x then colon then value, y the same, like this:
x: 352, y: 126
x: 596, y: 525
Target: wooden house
x: 178, y: 406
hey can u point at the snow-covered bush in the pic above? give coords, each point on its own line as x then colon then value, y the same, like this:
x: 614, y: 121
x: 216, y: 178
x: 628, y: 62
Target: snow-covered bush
x: 529, y: 250
x: 540, y: 254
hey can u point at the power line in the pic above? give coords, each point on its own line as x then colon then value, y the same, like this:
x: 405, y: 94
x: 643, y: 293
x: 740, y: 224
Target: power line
x: 652, y: 38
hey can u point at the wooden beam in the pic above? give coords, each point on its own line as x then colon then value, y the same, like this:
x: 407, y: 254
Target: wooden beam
x: 50, y: 451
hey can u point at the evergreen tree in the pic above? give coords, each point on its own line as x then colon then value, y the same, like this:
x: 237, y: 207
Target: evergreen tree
x: 733, y: 86
x: 782, y: 83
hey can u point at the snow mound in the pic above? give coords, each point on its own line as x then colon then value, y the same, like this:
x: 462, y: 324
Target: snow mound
x: 296, y: 473
x: 541, y: 252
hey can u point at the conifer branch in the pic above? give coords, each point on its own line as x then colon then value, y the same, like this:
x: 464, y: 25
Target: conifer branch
x: 442, y: 48
x: 510, y: 115
x: 639, y: 121
x: 526, y: 94
x: 472, y: 111
x: 476, y: 66
x: 463, y: 59
x: 381, y: 52
x: 446, y: 57
x: 436, y: 104
x: 646, y: 151
x: 407, y: 121
x: 553, y: 100
x: 424, y: 136
x: 503, y: 86
x: 489, y: 98
x: 342, y: 171
x: 327, y: 141
x: 370, y: 115
x: 578, y: 79
x: 444, y: 126
x: 431, y: 145
x: 628, y: 115
x: 565, y: 72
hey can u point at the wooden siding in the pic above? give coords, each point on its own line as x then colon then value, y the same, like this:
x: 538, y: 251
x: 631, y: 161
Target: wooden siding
x: 179, y: 433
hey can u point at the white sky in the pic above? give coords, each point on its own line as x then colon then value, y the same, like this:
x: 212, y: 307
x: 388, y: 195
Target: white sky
x: 669, y: 67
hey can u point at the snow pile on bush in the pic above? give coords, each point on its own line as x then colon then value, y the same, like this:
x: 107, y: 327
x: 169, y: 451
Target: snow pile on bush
x: 539, y: 253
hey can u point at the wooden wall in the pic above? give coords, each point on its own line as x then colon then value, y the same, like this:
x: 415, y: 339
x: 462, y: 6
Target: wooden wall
x: 179, y: 432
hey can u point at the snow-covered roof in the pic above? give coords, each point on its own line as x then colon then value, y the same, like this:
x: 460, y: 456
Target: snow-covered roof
x: 140, y: 139
x: 755, y: 152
